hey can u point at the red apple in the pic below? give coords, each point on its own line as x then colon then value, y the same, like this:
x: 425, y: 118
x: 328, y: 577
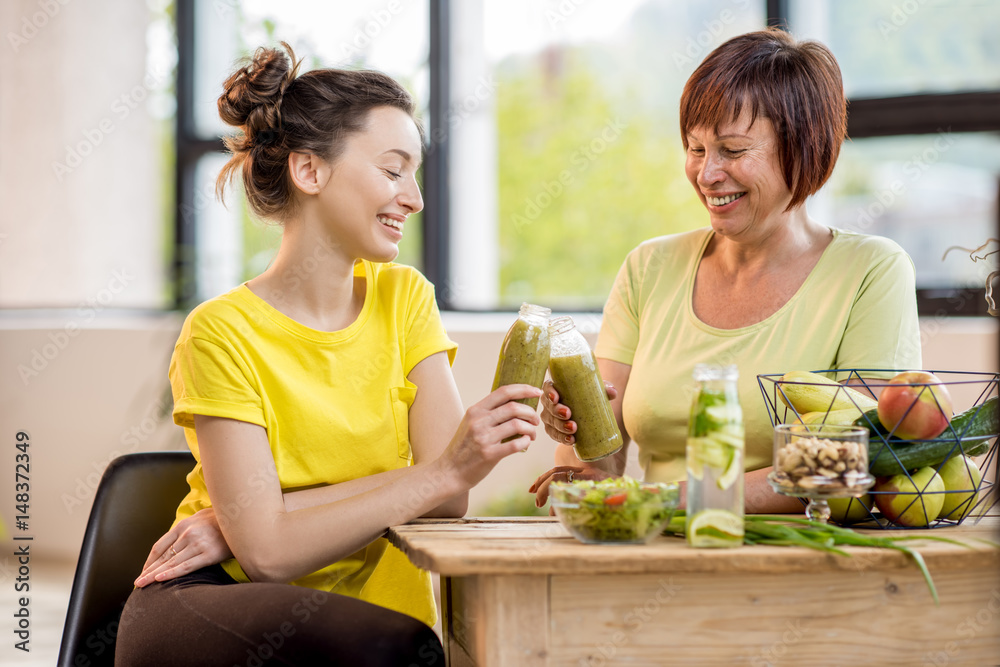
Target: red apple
x: 915, y: 405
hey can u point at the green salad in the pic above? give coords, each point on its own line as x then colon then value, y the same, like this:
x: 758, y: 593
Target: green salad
x: 617, y: 509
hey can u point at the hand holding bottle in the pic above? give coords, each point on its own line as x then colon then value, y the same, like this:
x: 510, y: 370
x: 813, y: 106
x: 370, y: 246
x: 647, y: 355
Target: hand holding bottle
x: 493, y: 428
x: 557, y: 416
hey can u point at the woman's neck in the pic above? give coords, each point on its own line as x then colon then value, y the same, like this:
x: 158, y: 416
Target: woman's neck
x: 312, y: 281
x: 788, y: 239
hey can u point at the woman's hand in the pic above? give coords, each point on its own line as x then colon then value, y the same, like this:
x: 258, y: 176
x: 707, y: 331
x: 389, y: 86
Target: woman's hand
x: 556, y: 416
x: 194, y: 543
x: 564, y: 474
x: 478, y: 444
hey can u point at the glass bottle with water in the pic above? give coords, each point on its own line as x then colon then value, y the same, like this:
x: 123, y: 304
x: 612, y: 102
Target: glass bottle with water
x: 715, y: 448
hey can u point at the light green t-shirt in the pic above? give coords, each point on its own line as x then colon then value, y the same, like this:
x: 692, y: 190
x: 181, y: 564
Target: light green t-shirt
x: 856, y: 309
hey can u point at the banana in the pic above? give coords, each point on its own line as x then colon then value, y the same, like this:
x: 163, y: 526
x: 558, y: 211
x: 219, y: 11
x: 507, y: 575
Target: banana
x: 811, y: 392
x: 845, y: 417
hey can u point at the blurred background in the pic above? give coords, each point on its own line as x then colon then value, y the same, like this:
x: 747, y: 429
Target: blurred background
x: 553, y: 149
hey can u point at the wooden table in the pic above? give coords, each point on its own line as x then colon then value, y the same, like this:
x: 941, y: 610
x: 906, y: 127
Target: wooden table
x: 523, y: 592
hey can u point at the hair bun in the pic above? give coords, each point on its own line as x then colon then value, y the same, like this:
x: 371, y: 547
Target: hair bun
x: 279, y: 113
x: 251, y: 98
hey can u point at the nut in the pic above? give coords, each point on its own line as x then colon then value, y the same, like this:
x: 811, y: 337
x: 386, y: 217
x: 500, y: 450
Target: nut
x: 813, y: 462
x: 791, y: 459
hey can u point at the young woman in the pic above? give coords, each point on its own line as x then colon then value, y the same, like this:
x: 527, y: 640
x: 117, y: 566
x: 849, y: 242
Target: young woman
x: 317, y: 399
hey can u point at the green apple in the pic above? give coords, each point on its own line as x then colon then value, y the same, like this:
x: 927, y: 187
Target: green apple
x: 899, y: 501
x: 850, y: 510
x: 959, y: 473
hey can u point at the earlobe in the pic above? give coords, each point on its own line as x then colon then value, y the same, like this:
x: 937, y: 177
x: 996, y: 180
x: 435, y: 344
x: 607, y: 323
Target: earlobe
x: 309, y: 172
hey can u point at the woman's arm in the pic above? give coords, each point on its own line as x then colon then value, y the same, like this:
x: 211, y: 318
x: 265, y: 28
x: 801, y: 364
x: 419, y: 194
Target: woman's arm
x: 275, y: 544
x: 434, y: 417
x: 197, y: 541
x: 760, y: 498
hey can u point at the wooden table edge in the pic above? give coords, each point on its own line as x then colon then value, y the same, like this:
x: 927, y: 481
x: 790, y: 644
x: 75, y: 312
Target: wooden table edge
x: 534, y: 555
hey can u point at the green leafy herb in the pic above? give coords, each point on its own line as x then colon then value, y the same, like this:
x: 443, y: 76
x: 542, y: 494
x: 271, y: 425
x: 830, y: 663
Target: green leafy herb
x: 794, y: 531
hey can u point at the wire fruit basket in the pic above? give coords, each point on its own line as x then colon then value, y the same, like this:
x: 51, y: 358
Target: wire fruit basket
x: 921, y: 483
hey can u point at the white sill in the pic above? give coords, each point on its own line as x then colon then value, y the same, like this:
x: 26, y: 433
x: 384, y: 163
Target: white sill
x: 87, y: 318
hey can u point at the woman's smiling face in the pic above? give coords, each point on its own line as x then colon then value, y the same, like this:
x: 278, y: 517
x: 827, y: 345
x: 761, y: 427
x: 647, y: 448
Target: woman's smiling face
x: 738, y: 176
x: 373, y: 187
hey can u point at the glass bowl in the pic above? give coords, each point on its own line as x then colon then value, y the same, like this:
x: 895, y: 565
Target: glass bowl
x: 820, y: 461
x: 617, y: 510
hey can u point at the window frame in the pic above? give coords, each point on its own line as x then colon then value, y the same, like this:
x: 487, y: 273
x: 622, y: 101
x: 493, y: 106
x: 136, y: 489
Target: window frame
x: 973, y: 111
x: 190, y: 148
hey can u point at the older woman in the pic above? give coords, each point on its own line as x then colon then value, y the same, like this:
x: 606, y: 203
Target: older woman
x: 765, y: 287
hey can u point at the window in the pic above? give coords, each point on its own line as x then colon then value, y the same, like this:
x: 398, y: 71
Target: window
x: 890, y: 48
x: 929, y: 192
x: 583, y: 155
x: 221, y: 245
x: 553, y: 141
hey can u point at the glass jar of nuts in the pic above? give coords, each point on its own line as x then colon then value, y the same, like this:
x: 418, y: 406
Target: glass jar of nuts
x: 820, y: 461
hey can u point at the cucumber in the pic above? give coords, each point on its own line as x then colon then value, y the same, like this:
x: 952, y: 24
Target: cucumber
x: 974, y: 428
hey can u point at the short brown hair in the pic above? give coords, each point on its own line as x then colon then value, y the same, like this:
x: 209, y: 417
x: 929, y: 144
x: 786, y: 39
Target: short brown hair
x: 795, y: 84
x: 279, y: 113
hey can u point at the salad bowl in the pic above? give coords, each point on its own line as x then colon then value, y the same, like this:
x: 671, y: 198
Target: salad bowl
x: 617, y: 510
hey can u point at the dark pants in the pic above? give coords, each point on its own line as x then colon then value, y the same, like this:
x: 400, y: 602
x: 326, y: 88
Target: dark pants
x: 206, y: 618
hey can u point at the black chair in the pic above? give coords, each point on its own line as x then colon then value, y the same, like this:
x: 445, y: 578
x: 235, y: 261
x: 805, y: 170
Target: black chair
x: 134, y: 505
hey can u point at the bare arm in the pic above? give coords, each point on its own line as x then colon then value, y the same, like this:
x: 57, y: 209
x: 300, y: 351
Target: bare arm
x: 434, y: 418
x: 274, y: 543
x: 239, y: 472
x: 869, y: 386
x: 197, y: 541
x: 760, y: 498
x: 435, y: 415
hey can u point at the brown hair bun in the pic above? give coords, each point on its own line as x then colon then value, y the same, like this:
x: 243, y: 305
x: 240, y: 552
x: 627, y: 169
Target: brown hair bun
x: 279, y: 112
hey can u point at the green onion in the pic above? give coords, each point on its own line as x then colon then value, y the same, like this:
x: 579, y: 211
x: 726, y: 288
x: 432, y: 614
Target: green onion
x: 777, y: 531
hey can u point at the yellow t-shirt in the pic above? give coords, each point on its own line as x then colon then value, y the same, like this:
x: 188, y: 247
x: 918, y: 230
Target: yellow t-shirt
x: 334, y: 404
x: 856, y: 309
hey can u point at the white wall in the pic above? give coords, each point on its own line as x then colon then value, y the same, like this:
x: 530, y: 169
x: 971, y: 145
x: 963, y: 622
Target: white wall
x: 81, y: 174
x: 99, y: 393
x: 84, y: 398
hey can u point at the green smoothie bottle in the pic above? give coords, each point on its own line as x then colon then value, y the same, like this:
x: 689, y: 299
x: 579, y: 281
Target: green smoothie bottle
x: 574, y: 371
x: 524, y: 355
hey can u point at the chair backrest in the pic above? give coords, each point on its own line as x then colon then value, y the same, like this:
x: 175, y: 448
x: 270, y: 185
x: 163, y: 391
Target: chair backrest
x: 135, y: 504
